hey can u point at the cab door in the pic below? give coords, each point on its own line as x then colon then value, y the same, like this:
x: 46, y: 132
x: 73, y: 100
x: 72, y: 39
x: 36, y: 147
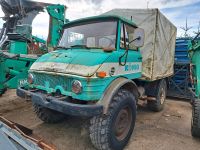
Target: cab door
x: 130, y: 57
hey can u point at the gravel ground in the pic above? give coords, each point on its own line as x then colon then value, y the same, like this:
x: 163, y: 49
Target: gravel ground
x: 166, y: 130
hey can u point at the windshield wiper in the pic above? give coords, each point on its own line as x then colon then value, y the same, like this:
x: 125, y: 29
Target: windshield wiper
x: 62, y: 47
x: 81, y: 46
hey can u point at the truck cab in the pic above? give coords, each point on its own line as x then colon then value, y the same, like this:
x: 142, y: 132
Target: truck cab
x: 90, y: 55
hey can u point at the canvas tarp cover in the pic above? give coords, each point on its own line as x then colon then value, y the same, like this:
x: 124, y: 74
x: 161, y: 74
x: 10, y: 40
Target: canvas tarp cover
x: 159, y: 44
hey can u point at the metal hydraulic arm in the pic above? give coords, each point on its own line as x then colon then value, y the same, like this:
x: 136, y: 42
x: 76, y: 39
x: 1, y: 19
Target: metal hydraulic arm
x: 56, y: 22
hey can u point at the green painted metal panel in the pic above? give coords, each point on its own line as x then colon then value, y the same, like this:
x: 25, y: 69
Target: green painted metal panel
x: 100, y: 18
x: 57, y: 20
x: 194, y: 55
x: 17, y: 47
x: 92, y: 88
x: 76, y: 56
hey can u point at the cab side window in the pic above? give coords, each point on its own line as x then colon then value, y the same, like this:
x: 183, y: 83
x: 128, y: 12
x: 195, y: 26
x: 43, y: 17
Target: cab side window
x: 127, y: 31
x: 130, y: 32
x: 122, y: 39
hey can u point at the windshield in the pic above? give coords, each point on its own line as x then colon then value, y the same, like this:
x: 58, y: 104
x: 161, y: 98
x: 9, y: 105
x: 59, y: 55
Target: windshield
x: 91, y: 35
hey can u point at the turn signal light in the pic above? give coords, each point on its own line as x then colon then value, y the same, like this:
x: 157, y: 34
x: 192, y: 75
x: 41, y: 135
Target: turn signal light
x: 101, y: 74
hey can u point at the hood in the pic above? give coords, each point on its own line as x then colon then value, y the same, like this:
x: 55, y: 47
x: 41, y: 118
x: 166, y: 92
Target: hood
x: 78, y: 62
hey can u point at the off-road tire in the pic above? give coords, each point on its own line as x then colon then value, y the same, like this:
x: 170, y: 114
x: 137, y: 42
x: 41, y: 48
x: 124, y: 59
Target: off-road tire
x: 102, y: 127
x: 48, y: 115
x: 161, y: 93
x: 195, y: 122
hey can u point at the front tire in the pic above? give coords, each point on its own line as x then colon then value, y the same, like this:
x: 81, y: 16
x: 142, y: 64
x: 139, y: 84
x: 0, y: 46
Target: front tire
x: 161, y: 93
x: 195, y: 122
x: 113, y: 130
x: 48, y: 115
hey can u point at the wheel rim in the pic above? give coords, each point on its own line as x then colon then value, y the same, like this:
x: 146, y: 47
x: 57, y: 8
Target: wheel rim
x: 123, y: 123
x: 162, y: 96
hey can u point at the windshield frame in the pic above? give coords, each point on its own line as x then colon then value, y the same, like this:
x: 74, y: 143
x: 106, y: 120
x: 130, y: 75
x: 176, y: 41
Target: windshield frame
x: 85, y: 22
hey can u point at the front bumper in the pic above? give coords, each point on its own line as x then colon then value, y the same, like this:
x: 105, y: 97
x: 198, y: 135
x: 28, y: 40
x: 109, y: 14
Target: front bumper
x: 54, y: 103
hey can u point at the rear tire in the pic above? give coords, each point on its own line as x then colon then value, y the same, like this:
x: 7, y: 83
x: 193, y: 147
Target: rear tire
x: 195, y: 122
x: 48, y: 115
x: 113, y: 130
x: 158, y: 104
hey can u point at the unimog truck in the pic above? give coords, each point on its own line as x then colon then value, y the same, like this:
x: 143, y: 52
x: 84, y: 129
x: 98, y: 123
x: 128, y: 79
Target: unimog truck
x: 101, y: 69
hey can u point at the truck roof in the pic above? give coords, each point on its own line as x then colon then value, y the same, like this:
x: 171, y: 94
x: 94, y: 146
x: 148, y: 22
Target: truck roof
x: 100, y: 18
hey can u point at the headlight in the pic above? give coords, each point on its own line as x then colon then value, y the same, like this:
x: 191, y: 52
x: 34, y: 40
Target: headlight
x: 30, y: 78
x: 76, y: 86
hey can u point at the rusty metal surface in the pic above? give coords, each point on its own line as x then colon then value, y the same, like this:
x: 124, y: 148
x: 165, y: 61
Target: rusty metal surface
x: 26, y: 132
x: 123, y: 123
x: 148, y: 98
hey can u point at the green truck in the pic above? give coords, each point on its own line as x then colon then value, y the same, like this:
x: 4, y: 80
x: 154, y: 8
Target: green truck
x: 99, y: 71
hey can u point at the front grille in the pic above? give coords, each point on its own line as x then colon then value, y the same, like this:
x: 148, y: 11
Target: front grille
x: 53, y: 80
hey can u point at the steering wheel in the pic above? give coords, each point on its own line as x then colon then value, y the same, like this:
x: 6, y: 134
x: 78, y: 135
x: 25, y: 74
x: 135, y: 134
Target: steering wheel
x: 111, y: 40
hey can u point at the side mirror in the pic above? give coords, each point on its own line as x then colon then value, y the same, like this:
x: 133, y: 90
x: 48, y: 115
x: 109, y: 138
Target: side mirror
x: 138, y: 35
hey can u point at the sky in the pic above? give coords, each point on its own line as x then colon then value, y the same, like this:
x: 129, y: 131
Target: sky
x: 175, y: 10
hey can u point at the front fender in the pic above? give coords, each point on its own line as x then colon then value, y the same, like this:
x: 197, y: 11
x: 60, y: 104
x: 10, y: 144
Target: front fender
x: 113, y: 88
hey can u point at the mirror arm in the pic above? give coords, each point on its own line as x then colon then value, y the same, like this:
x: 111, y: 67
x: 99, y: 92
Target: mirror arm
x: 138, y: 38
x: 120, y: 58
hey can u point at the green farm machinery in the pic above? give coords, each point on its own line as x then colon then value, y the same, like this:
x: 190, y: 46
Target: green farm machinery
x: 194, y: 55
x: 18, y: 47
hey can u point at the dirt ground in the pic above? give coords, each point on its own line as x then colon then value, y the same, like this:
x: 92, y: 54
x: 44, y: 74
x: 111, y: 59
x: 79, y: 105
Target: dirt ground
x: 166, y: 130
